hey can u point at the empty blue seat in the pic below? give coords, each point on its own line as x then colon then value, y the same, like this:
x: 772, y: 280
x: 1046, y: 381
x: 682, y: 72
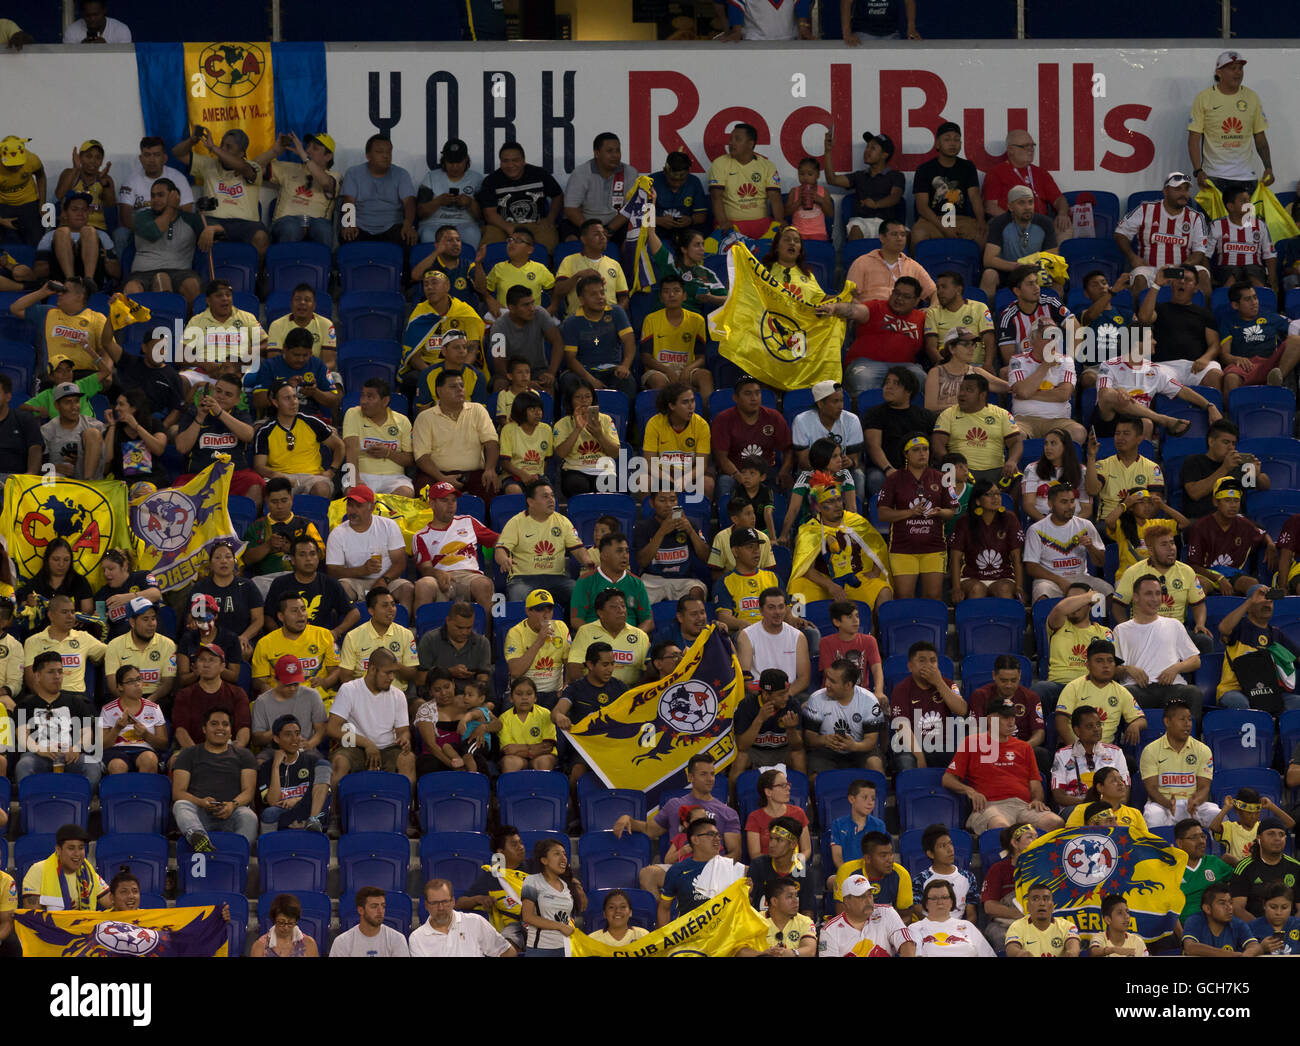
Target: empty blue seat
x: 238, y: 904
x: 1105, y: 214
x: 398, y: 910
x: 1238, y: 738
x: 46, y: 802
x: 854, y: 249
x: 585, y: 509
x: 955, y: 255
x: 455, y: 856
x: 453, y: 801
x: 919, y: 808
x: 1271, y: 509
x: 1261, y: 411
x: 315, y: 918
x: 28, y: 849
x: 371, y: 316
x: 832, y: 787
x: 1279, y: 459
x: 236, y: 262
x: 990, y: 850
x: 990, y: 624
x: 818, y: 612
x: 370, y: 267
x: 503, y: 508
x: 600, y: 808
x: 1085, y: 255
x: 289, y: 264
x: 374, y: 801
x: 373, y: 859
x: 225, y: 871
x: 152, y: 900
x: 1217, y: 608
x: 134, y: 802
x: 534, y: 800
x: 292, y: 860
x: 608, y: 863
x: 359, y: 361
x: 145, y: 854
x: 1263, y: 780
x: 902, y: 622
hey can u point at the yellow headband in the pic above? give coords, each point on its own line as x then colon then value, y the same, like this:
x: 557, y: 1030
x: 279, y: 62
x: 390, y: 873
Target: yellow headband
x: 1247, y: 808
x: 1102, y: 817
x: 916, y: 441
x: 1021, y: 831
x: 784, y: 833
x: 1226, y: 488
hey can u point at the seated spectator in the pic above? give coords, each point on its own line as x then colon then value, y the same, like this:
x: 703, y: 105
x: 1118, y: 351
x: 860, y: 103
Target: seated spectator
x: 65, y: 881
x: 121, y: 586
x: 134, y: 442
x: 74, y: 443
x: 747, y: 213
x: 591, y: 260
x: 1111, y: 322
x: 846, y: 724
x: 1288, y: 571
x: 377, y: 441
x: 518, y: 193
x: 1156, y: 651
x: 672, y: 342
x: 430, y: 323
x: 302, y: 315
x: 448, y: 933
x: 682, y: 254
x: 213, y: 786
x: 750, y: 429
x: 455, y: 441
x: 1250, y: 665
x: 984, y: 433
x: 64, y: 252
x: 69, y: 327
x: 1238, y: 837
x: 440, y: 724
x: 1240, y: 244
x: 1059, y: 547
x: 611, y: 625
x: 767, y: 727
x: 382, y: 196
x: 203, y: 630
x: 887, y: 425
x: 368, y: 551
x: 750, y: 479
x: 456, y: 648
x: 135, y: 190
x: 809, y: 204
x: 1107, y: 798
x: 838, y: 554
x: 829, y: 420
x: 958, y: 359
x: 270, y: 539
x: 736, y: 594
x: 519, y: 269
x: 1182, y: 790
x: 527, y: 335
x: 772, y: 642
x: 1032, y: 309
x: 1180, y: 589
x: 682, y: 891
x: 194, y: 702
x: 789, y: 931
x: 216, y: 425
x: 949, y: 310
x: 1099, y: 689
x: 370, y: 721
x: 1042, y: 389
x: 1216, y: 928
x: 1219, y: 546
x: 73, y: 645
x: 915, y: 503
x: 465, y: 277
x: 538, y: 647
x: 998, y: 895
x: 781, y: 861
x: 1186, y: 334
x: 1268, y: 863
x: 446, y: 554
x: 24, y: 193
x: 946, y: 190
x: 549, y: 898
x: 165, y: 240
x: 891, y: 882
x: 925, y: 705
x: 527, y: 733
x: 371, y: 938
x: 284, y: 940
x: 294, y: 782
x: 525, y: 552
x: 381, y: 631
x: 687, y: 625
x: 454, y: 361
x: 1168, y: 232
x: 95, y: 27
x: 586, y: 441
x: 1111, y: 480
x: 231, y: 179
x: 1059, y: 464
x: 1019, y: 169
x: 313, y: 645
x: 165, y: 389
x: 740, y: 511
x: 680, y: 199
x: 56, y: 576
x: 1256, y: 347
x: 1277, y: 930
x: 936, y: 844
x: 317, y: 393
x: 864, y: 928
x: 526, y: 443
x: 583, y: 332
x: 848, y: 641
x: 677, y: 443
x: 1078, y: 766
x: 55, y: 723
x: 447, y: 197
x: 611, y: 572
x: 877, y: 189
x: 1202, y: 473
x: 668, y: 545
x: 154, y: 654
x: 1039, y: 932
x: 773, y: 788
x: 1007, y: 686
x: 489, y: 890
x: 21, y: 444
x: 986, y: 549
x: 847, y: 832
x: 999, y: 775
x: 1014, y: 234
x: 304, y: 208
x: 222, y: 333
x: 289, y: 697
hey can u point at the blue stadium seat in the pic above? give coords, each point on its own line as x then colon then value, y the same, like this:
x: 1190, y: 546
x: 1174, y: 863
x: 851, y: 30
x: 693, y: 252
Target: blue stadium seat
x: 616, y: 405
x: 48, y: 801
x: 472, y: 505
x: 1289, y: 727
x: 894, y: 668
x: 1261, y: 411
x: 496, y: 252
x: 315, y: 508
x: 225, y: 871
x: 920, y: 807
x: 1217, y: 608
x: 585, y: 509
x: 821, y: 259
x: 610, y: 863
x: 747, y: 791
x: 512, y: 612
x: 956, y: 255
x: 1263, y: 780
x: 724, y: 398
x: 665, y: 615
x: 1105, y: 213
x: 236, y: 262
x: 796, y: 401
x: 28, y: 849
x: 503, y: 508
x: 371, y: 316
x: 132, y: 802
x: 533, y: 800
x: 1239, y: 738
x: 531, y: 838
x: 902, y: 622
x: 854, y: 249
x: 292, y: 860
x: 360, y: 360
x: 1136, y: 199
x: 456, y: 856
x: 373, y: 859
x: 1272, y: 508
x: 374, y: 801
x: 453, y: 801
x: 1207, y: 676
x: 280, y: 303
x: 818, y: 613
x: 977, y: 670
x: 1279, y: 459
x: 1084, y: 255
x: 833, y: 793
x: 990, y: 624
x: 398, y: 911
x: 370, y: 267
x: 432, y: 615
x: 645, y: 909
x: 315, y: 918
x: 990, y: 850
x: 238, y: 925
x: 144, y: 853
x: 243, y: 513
x: 912, y: 856
x: 152, y: 900
x: 289, y: 264
x: 599, y: 807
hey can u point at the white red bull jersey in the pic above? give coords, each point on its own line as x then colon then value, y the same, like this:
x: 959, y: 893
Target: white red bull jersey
x: 1060, y: 373
x: 880, y: 936
x: 454, y: 548
x: 150, y: 716
x: 1164, y: 238
x: 1246, y: 244
x: 1142, y: 381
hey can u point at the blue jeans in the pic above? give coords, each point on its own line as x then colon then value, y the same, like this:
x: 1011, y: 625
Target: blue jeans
x: 291, y: 230
x: 190, y: 818
x: 38, y: 764
x: 861, y: 375
x: 1236, y: 699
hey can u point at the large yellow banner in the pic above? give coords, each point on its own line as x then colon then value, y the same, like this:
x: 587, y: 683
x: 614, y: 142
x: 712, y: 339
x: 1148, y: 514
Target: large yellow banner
x: 177, y: 527
x: 144, y: 933
x: 230, y: 88
x: 720, y: 926
x: 89, y: 514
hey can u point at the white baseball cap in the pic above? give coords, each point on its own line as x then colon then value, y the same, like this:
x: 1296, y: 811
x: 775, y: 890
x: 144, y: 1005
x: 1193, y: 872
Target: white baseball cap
x: 1227, y: 58
x: 825, y: 388
x: 857, y: 886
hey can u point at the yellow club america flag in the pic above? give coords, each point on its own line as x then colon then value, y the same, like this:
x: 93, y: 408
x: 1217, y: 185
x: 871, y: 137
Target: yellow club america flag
x: 230, y: 88
x: 773, y: 335
x: 640, y: 214
x: 1083, y: 865
x: 411, y: 515
x: 89, y: 514
x: 144, y: 933
x: 720, y: 926
x: 644, y: 739
x: 175, y: 528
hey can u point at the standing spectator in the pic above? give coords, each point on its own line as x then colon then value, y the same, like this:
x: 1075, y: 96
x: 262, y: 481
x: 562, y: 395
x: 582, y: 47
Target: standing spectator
x: 1202, y: 473
x: 549, y: 898
x: 946, y: 189
x: 368, y: 551
x: 1019, y: 169
x: 370, y: 938
x: 1177, y: 787
x: 448, y: 933
x: 295, y: 782
x: 877, y: 190
x: 1219, y: 545
x: 1220, y: 149
x: 382, y: 195
x: 371, y: 714
x: 518, y: 193
x: 877, y: 20
x: 1039, y: 933
x: 214, y: 785
x: 304, y: 208
x: 1169, y: 233
x: 915, y: 503
x: 447, y: 196
x: 22, y: 192
x: 733, y: 177
x: 599, y: 188
x: 846, y: 724
x: 769, y: 20
x: 1014, y: 234
x: 234, y: 181
x: 95, y: 27
x: 749, y: 429
x: 192, y: 705
x: 986, y: 549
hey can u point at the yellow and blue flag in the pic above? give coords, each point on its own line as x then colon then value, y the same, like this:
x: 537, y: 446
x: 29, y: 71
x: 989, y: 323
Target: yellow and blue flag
x: 411, y: 515
x: 1083, y: 865
x: 720, y: 926
x: 645, y: 738
x: 773, y: 335
x: 90, y: 515
x: 147, y: 933
x: 640, y: 214
x: 176, y: 528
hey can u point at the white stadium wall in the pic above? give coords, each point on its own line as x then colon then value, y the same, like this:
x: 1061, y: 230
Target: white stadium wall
x: 1105, y: 117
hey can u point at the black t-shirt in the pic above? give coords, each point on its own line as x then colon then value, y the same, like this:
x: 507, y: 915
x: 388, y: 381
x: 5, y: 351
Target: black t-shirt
x: 131, y: 460
x: 19, y: 430
x: 214, y: 773
x: 51, y: 722
x: 761, y: 872
x: 1200, y: 466
x: 895, y: 425
x: 771, y: 734
x: 524, y: 200
x: 235, y: 602
x: 215, y: 438
x: 877, y: 17
x: 1253, y: 877
x: 1179, y: 331
x: 188, y: 642
x: 327, y: 603
x: 947, y: 185
x: 675, y: 554
x: 136, y: 581
x: 162, y: 385
x: 585, y: 698
x: 870, y: 186
x: 296, y: 778
x: 73, y: 585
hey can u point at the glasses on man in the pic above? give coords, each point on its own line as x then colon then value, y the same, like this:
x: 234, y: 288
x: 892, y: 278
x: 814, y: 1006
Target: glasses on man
x: 712, y: 833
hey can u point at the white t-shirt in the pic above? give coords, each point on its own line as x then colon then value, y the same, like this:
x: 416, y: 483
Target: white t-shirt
x: 1155, y: 646
x: 376, y: 716
x: 470, y: 936
x: 115, y: 32
x: 1057, y: 548
x: 953, y: 938
x: 386, y: 944
x: 774, y: 651
x: 1062, y: 373
x: 808, y: 429
x: 134, y: 189
x: 1142, y: 381
x: 859, y: 716
x: 346, y: 547
x: 1041, y: 476
x: 884, y: 930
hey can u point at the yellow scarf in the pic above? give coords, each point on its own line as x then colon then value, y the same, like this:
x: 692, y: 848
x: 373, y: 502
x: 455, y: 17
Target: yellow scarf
x: 54, y: 886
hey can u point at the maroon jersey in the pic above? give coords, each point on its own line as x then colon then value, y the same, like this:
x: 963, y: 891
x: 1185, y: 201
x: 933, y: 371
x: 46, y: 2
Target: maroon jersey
x: 1290, y: 536
x: 861, y: 650
x: 1209, y: 545
x: 916, y: 535
x: 736, y: 438
x: 986, y: 550
x: 924, y: 710
x: 1029, y: 709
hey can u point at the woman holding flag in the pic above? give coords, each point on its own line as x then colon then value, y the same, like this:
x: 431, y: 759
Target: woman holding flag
x: 550, y: 898
x: 788, y: 263
x: 704, y: 291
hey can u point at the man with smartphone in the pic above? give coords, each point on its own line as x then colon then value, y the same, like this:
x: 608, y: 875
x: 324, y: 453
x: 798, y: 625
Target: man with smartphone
x: 1186, y: 334
x: 1168, y: 233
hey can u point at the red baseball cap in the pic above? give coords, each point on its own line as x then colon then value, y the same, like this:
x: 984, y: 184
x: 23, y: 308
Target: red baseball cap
x: 361, y: 493
x: 441, y: 490
x: 288, y: 669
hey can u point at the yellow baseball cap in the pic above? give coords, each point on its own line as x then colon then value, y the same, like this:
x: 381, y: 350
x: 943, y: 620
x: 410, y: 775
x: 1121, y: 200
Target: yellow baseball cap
x: 326, y: 141
x: 538, y: 597
x: 90, y: 143
x: 58, y: 358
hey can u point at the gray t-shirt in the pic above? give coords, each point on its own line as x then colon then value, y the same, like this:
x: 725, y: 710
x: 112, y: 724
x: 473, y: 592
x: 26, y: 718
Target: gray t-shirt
x: 387, y: 944
x: 214, y: 774
x: 305, y: 706
x: 59, y: 440
x: 528, y: 342
x: 171, y: 248
x: 596, y: 196
x: 553, y: 904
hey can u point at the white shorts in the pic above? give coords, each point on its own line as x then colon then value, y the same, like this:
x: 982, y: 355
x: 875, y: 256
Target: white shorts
x: 386, y: 484
x: 1157, y: 816
x: 1044, y: 589
x: 1182, y: 371
x: 674, y: 588
x: 1148, y: 272
x: 869, y: 227
x: 304, y: 482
